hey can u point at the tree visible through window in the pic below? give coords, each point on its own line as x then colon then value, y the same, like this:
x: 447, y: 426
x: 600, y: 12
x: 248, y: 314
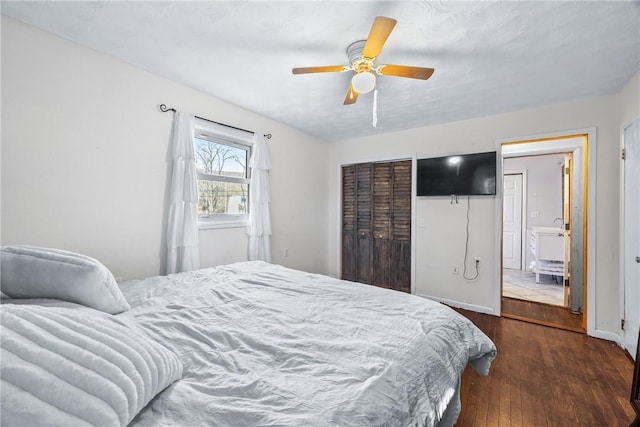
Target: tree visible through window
x: 223, y: 180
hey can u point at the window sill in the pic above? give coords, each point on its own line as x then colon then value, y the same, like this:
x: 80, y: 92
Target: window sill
x: 216, y: 224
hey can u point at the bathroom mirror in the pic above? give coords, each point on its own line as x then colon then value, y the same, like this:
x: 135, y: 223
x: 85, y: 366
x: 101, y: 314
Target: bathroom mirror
x: 635, y: 387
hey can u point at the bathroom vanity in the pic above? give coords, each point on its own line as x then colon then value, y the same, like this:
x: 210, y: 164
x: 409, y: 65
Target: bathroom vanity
x: 547, y: 247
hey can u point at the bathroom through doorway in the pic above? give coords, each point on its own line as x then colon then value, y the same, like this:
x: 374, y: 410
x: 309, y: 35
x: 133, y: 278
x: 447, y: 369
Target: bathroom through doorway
x: 543, y: 260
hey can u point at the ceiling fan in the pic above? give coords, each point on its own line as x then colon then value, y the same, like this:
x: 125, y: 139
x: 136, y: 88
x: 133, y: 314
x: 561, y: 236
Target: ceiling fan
x: 362, y: 55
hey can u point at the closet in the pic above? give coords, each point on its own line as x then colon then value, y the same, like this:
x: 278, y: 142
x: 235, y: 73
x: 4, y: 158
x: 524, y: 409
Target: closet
x: 376, y: 224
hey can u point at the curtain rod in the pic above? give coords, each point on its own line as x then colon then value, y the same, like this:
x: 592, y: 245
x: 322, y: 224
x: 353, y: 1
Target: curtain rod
x: 164, y: 109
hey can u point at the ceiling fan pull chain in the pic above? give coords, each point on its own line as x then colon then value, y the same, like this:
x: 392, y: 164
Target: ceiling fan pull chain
x: 375, y: 107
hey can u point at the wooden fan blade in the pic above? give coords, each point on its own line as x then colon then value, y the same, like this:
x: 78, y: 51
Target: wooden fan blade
x: 405, y: 71
x: 326, y: 69
x: 378, y: 35
x: 352, y: 96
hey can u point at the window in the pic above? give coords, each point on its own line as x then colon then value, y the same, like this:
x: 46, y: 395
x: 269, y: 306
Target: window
x: 223, y: 178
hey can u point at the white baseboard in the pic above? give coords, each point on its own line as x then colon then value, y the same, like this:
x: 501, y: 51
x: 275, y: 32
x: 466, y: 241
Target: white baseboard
x: 597, y: 333
x: 605, y: 335
x: 463, y: 305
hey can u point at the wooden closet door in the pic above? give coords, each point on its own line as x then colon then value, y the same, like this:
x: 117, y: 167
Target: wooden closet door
x: 349, y: 222
x: 363, y: 222
x: 382, y: 211
x: 401, y: 225
x: 376, y: 224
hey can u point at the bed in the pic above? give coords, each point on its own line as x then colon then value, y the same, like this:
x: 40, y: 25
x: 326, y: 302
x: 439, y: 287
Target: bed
x: 252, y: 343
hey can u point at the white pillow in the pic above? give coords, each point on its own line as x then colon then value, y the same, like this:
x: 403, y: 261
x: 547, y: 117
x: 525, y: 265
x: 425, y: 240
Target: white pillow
x: 31, y: 272
x: 63, y: 366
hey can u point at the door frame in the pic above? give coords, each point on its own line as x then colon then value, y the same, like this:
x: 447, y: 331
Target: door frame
x: 555, y: 142
x: 413, y: 157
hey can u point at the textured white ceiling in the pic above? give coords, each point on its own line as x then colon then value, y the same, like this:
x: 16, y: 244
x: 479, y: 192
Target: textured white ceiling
x: 490, y: 57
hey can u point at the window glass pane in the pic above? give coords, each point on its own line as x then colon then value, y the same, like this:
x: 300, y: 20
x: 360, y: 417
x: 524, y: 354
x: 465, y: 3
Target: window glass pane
x: 222, y: 198
x: 220, y: 159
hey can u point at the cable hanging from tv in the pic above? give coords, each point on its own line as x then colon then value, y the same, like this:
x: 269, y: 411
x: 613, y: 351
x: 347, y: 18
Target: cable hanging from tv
x: 466, y: 247
x: 165, y: 109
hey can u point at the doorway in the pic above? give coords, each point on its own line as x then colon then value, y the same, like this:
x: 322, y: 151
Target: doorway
x: 533, y: 228
x: 543, y: 249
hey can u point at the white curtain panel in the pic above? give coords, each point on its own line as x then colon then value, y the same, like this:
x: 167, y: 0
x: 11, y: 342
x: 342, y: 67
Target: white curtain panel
x: 259, y: 226
x: 182, y: 223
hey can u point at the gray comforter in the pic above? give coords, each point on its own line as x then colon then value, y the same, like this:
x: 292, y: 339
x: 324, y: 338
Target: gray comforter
x: 265, y: 345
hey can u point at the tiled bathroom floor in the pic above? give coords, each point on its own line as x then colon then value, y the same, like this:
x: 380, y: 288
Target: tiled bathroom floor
x: 522, y: 285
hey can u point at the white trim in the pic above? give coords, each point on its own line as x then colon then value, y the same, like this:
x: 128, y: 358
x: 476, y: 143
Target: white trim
x: 229, y: 137
x: 232, y: 222
x: 342, y: 163
x: 219, y: 131
x: 621, y: 227
x: 606, y: 335
x: 497, y: 247
x: 376, y: 159
x: 525, y: 218
x: 414, y: 232
x: 621, y: 242
x: 201, y: 176
x: 463, y: 305
x: 591, y: 231
x: 561, y: 145
x: 525, y: 195
x: 338, y: 271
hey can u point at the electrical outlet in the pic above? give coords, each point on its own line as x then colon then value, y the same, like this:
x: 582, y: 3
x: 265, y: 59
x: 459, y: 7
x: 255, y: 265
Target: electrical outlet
x: 454, y: 269
x: 285, y: 252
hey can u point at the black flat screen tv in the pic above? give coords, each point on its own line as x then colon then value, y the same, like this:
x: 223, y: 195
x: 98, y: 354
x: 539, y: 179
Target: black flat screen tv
x: 461, y: 175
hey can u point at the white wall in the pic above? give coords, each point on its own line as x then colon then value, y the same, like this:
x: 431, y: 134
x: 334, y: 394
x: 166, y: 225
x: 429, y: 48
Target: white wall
x: 544, y: 187
x: 629, y: 101
x: 84, y: 161
x: 441, y: 243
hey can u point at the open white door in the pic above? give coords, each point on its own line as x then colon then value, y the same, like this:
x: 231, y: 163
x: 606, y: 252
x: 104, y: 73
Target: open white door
x: 512, y: 222
x: 631, y: 236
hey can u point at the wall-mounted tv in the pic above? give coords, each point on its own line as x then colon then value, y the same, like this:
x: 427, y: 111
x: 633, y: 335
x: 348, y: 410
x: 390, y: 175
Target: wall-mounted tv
x: 461, y: 175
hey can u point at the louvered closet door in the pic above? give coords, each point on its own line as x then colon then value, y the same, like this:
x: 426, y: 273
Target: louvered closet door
x: 382, y: 226
x: 401, y: 225
x: 363, y: 222
x: 376, y: 224
x: 349, y: 223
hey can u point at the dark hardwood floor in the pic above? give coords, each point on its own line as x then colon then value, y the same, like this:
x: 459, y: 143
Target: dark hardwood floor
x: 544, y: 376
x: 543, y: 314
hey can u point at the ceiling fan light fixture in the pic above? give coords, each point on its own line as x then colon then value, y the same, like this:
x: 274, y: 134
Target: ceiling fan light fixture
x: 364, y: 82
x: 362, y: 55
